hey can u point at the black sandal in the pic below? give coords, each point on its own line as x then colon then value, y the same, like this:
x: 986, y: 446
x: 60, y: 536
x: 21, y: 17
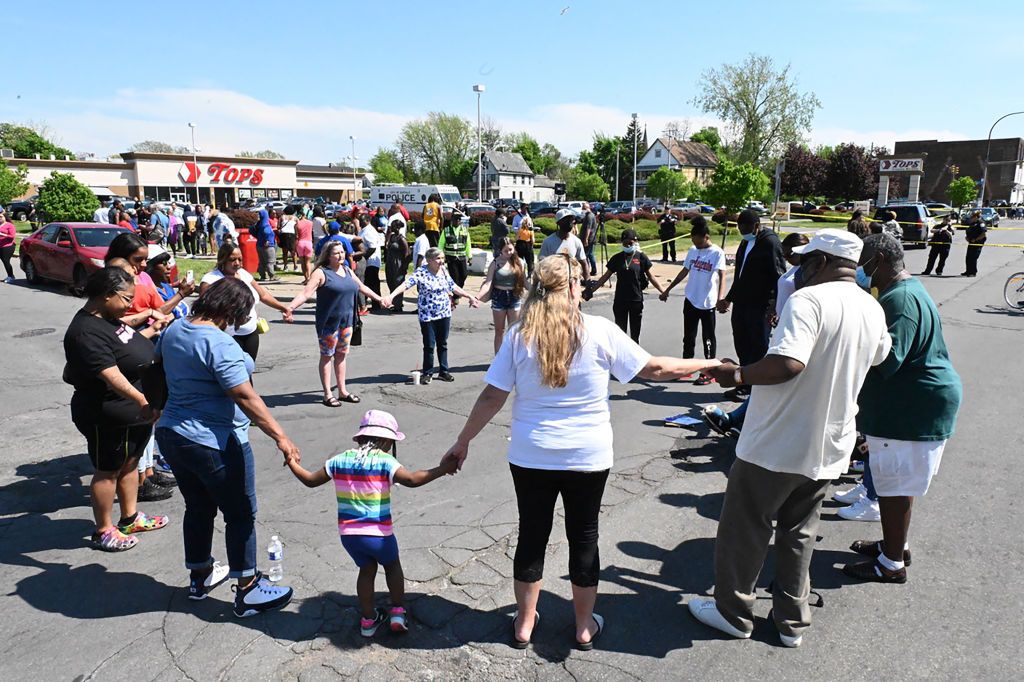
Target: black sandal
x: 331, y: 402
x: 873, y: 571
x: 350, y: 398
x: 587, y: 646
x: 521, y: 643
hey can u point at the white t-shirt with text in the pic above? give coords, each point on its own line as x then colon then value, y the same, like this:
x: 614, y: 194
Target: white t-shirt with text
x: 565, y: 428
x: 702, y: 283
x: 807, y: 425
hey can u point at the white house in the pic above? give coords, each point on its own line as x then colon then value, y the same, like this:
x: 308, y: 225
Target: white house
x: 508, y: 176
x: 694, y: 160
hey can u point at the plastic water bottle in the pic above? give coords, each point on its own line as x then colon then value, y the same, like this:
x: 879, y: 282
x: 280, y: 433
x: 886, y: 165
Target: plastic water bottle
x: 275, y: 553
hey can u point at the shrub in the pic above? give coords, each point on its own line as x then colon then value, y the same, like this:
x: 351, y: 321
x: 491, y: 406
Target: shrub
x: 243, y: 219
x: 720, y: 217
x: 62, y: 197
x: 481, y: 218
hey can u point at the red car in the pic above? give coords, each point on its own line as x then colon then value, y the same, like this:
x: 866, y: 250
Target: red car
x: 66, y: 252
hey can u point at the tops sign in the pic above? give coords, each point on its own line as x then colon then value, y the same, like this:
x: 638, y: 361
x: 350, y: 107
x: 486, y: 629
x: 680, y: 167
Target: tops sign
x: 901, y: 165
x: 221, y: 172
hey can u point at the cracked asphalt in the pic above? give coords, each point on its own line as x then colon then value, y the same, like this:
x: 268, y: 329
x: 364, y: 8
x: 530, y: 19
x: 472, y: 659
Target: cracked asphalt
x: 71, y: 613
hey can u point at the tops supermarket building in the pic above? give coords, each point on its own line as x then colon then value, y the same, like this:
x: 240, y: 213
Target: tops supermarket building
x: 223, y: 181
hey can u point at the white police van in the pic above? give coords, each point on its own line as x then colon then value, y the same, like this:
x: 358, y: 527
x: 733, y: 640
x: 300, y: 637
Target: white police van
x: 414, y: 197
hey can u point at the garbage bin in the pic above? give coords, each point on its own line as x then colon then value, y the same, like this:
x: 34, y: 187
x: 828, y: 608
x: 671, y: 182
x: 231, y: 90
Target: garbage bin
x: 250, y: 256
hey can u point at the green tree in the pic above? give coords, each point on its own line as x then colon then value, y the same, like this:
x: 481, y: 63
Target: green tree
x: 666, y: 184
x: 62, y: 197
x: 524, y: 145
x: 158, y: 147
x: 733, y: 185
x: 962, y: 191
x: 437, y: 145
x: 709, y: 135
x: 28, y: 141
x: 384, y: 166
x: 761, y: 103
x: 851, y: 173
x: 263, y: 154
x: 13, y: 183
x: 587, y: 186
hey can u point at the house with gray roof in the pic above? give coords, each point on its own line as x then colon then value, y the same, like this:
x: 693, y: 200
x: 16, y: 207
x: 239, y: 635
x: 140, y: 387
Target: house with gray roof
x: 508, y: 176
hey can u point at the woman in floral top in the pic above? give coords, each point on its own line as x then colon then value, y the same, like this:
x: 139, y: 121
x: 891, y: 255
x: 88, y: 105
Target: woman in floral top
x: 434, y: 287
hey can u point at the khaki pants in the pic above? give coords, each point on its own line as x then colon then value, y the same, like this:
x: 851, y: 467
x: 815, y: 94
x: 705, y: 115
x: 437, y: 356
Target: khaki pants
x: 753, y: 497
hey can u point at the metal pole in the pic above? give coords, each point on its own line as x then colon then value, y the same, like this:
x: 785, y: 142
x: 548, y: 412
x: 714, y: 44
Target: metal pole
x: 479, y: 89
x: 617, y: 147
x: 635, y: 137
x: 988, y: 149
x: 353, y: 139
x: 195, y: 162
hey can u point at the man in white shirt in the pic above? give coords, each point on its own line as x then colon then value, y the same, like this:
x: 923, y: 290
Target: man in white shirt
x: 100, y: 215
x: 420, y: 246
x: 564, y: 241
x: 799, y: 431
x: 374, y: 242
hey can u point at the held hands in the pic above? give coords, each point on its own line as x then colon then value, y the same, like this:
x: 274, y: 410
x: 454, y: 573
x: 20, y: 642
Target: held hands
x: 724, y: 374
x: 288, y: 315
x: 449, y: 465
x: 290, y: 450
x: 386, y: 301
x: 148, y: 414
x: 723, y: 306
x: 474, y: 302
x: 458, y: 453
x: 664, y: 295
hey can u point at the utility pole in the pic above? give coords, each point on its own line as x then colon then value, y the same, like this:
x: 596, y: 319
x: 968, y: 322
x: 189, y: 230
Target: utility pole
x: 635, y: 139
x: 478, y: 89
x: 195, y: 163
x: 618, y: 146
x: 988, y: 149
x: 354, y: 159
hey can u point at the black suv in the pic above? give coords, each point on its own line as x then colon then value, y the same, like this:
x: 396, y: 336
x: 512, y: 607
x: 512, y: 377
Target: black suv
x: 23, y: 209
x: 914, y: 219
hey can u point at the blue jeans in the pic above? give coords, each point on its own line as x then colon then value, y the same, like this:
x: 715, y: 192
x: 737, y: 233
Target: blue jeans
x: 435, y: 333
x: 590, y: 258
x: 869, y: 483
x: 211, y: 479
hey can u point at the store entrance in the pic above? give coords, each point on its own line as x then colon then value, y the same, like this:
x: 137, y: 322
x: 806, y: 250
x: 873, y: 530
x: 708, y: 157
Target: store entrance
x: 224, y: 196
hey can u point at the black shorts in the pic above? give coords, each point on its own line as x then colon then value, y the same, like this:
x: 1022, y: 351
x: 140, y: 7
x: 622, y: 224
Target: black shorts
x: 287, y: 240
x: 111, y: 446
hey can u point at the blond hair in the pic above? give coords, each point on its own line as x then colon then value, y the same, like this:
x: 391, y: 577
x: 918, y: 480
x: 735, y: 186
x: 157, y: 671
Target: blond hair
x: 552, y: 320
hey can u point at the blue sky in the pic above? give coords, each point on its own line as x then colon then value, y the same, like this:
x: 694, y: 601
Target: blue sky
x: 303, y: 76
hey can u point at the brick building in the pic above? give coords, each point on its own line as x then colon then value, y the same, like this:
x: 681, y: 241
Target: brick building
x: 1005, y: 172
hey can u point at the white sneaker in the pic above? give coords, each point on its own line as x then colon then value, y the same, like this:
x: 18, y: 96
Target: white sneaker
x: 791, y: 642
x: 218, y: 574
x: 856, y: 466
x: 852, y: 495
x: 261, y: 595
x: 705, y: 610
x: 861, y: 510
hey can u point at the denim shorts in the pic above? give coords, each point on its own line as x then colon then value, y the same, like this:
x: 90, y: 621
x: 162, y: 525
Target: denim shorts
x: 505, y: 299
x: 365, y: 549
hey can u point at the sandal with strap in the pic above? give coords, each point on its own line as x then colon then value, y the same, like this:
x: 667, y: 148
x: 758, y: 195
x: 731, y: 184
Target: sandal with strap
x: 331, y: 402
x: 113, y: 541
x: 350, y: 398
x: 142, y: 523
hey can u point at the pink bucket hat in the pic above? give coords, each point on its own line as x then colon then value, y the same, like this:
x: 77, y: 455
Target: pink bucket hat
x: 379, y: 424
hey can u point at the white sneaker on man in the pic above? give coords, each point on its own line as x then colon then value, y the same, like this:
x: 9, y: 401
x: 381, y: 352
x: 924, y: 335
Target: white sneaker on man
x: 861, y: 510
x: 852, y: 495
x: 261, y: 595
x: 705, y: 610
x: 791, y: 641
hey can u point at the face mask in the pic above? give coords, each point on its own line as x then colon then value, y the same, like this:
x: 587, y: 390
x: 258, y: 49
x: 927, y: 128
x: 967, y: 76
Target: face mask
x: 863, y: 278
x: 749, y: 237
x: 629, y: 249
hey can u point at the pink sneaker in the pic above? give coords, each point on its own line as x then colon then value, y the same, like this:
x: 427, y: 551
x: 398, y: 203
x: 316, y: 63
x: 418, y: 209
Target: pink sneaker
x: 398, y: 622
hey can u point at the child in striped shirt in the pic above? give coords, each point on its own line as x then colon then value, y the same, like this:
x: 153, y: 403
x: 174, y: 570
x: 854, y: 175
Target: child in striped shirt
x: 363, y: 478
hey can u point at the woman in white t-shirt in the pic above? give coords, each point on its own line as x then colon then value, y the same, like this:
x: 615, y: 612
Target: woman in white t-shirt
x: 229, y: 264
x: 558, y: 361
x: 286, y: 233
x: 705, y: 265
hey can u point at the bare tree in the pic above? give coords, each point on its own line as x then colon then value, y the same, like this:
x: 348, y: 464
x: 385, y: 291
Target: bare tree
x: 677, y: 130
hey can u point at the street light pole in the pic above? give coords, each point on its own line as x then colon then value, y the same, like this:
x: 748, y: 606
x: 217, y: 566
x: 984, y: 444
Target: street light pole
x: 635, y: 136
x: 354, y: 159
x: 478, y: 89
x: 618, y: 148
x: 988, y: 149
x: 195, y: 163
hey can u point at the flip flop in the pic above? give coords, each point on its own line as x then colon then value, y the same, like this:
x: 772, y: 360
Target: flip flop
x: 331, y: 402
x: 519, y: 643
x: 350, y: 398
x: 587, y: 646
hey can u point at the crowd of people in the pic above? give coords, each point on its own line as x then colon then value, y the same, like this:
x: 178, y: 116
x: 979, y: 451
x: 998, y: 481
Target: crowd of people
x: 839, y: 354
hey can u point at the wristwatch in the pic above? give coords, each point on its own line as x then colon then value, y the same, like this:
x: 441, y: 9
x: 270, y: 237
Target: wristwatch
x: 737, y: 376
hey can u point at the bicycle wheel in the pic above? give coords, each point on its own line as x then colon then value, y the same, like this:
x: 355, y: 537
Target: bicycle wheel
x: 1013, y: 292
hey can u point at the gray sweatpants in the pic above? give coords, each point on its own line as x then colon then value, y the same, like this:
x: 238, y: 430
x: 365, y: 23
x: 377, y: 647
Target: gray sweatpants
x: 753, y: 497
x: 268, y: 261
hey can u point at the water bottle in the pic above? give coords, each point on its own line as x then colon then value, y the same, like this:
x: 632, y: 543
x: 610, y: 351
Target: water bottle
x: 275, y: 553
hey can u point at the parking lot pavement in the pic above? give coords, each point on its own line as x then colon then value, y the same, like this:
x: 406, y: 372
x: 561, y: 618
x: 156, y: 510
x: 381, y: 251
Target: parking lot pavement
x: 74, y: 613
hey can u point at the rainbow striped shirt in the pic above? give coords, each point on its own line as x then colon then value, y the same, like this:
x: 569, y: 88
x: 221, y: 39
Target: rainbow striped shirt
x: 363, y: 486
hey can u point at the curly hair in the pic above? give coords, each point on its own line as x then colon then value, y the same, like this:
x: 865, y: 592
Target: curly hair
x: 228, y: 301
x: 552, y: 320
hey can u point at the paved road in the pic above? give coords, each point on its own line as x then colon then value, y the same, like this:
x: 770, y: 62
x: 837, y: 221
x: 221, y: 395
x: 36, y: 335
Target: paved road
x: 73, y: 613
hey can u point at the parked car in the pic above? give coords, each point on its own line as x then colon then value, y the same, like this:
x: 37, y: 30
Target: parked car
x: 757, y: 206
x: 914, y: 218
x: 649, y: 205
x: 705, y: 208
x: 685, y: 206
x: 989, y: 216
x: 66, y: 252
x: 506, y: 203
x: 536, y: 206
x: 23, y: 208
x: 620, y: 207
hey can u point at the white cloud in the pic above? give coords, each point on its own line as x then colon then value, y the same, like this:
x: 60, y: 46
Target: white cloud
x: 887, y: 138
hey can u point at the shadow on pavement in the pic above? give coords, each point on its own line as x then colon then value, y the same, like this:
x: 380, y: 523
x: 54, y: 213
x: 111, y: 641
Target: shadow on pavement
x: 47, y: 486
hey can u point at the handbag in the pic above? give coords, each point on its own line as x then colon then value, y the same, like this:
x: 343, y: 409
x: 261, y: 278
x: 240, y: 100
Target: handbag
x: 154, y: 383
x: 262, y: 326
x: 357, y: 326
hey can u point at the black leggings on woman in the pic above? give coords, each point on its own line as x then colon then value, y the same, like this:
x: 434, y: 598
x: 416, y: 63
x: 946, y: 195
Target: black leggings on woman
x: 692, y: 315
x: 6, y: 253
x: 250, y: 343
x: 536, y: 492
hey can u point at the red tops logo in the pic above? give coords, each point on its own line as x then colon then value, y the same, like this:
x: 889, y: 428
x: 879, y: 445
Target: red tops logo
x: 221, y: 172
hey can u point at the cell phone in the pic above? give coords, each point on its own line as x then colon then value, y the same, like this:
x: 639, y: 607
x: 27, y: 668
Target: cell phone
x: 190, y: 277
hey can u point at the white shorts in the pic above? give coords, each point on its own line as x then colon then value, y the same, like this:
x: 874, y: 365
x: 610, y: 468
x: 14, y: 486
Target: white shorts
x: 903, y: 468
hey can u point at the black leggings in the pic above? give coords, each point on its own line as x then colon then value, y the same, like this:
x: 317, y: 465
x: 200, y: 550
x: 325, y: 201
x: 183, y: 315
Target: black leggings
x: 6, y: 253
x: 524, y: 250
x: 536, y: 492
x: 457, y: 268
x: 631, y: 312
x: 692, y: 315
x: 250, y: 343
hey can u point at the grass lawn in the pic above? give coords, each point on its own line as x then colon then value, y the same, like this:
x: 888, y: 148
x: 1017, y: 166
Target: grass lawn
x: 199, y: 267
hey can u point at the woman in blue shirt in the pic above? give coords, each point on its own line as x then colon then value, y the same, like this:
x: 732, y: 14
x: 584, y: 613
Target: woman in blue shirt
x: 434, y: 287
x: 203, y: 434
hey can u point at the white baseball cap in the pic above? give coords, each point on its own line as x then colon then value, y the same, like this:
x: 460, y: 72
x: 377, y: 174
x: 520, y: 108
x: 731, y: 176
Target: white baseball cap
x: 839, y: 243
x: 564, y: 213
